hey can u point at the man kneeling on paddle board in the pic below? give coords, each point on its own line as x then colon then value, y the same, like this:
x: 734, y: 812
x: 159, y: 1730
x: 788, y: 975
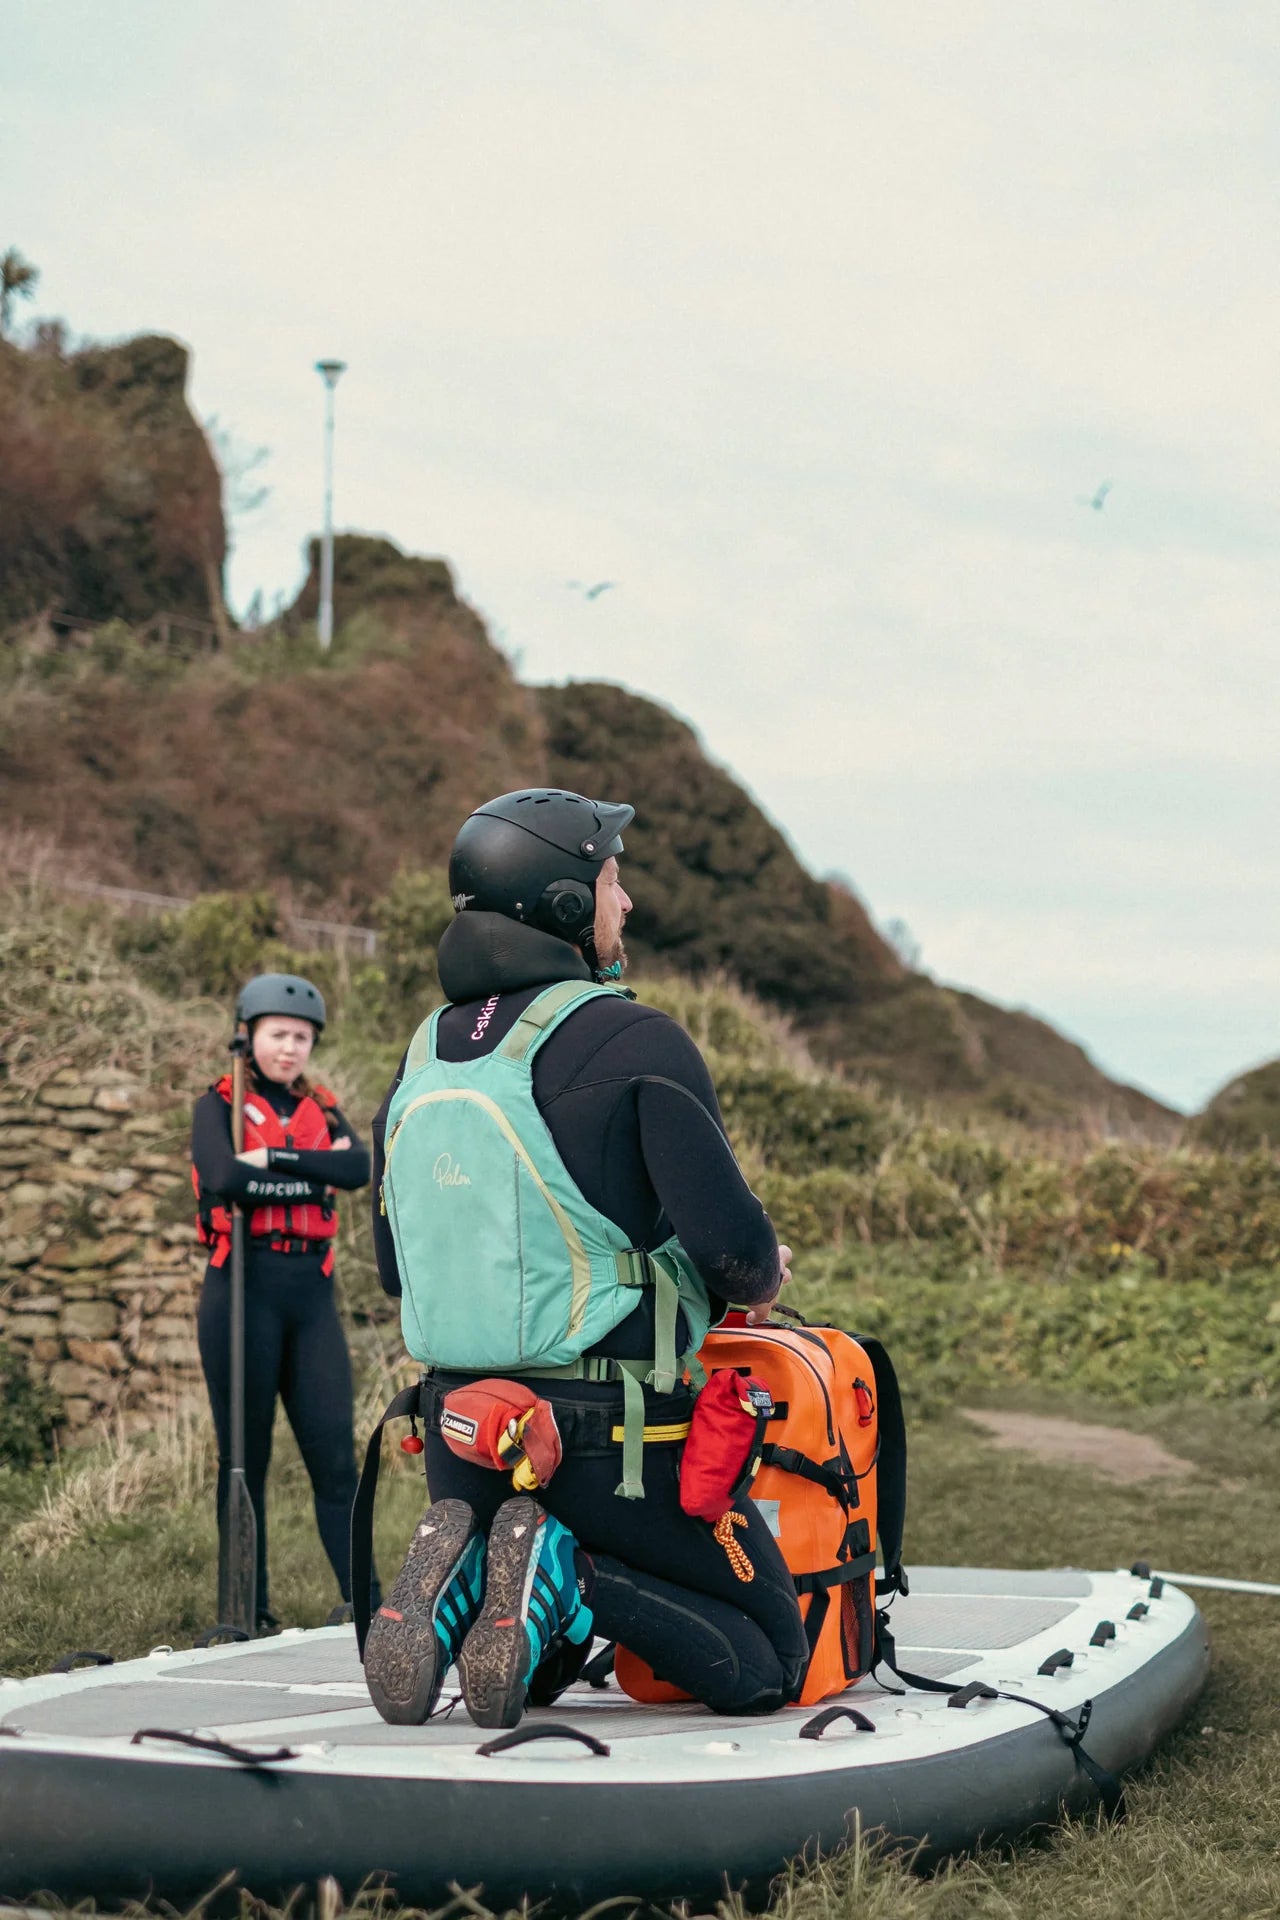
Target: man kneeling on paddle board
x: 557, y: 1205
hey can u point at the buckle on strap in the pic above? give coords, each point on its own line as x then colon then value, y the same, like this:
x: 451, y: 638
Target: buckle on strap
x: 635, y: 1267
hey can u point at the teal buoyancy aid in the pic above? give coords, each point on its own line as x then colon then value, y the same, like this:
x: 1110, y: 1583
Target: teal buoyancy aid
x: 504, y: 1265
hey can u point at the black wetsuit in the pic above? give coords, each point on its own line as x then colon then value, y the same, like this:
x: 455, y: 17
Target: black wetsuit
x: 294, y: 1343
x: 633, y: 1113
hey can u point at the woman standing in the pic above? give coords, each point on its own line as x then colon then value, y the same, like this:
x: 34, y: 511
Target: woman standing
x: 298, y: 1147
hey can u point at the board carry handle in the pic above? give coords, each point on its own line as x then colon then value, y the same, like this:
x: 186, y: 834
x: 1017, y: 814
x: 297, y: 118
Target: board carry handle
x: 216, y: 1636
x: 1062, y: 1658
x: 1070, y: 1732
x: 542, y: 1730
x: 70, y: 1661
x: 815, y: 1728
x: 976, y: 1690
x: 210, y: 1743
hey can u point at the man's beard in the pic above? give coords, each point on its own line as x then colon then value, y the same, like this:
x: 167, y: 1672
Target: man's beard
x: 614, y: 955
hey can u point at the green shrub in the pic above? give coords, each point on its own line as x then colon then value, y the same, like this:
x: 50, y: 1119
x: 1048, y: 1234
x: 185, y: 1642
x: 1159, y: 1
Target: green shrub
x: 411, y: 918
x: 1134, y: 1337
x: 29, y: 1411
x: 803, y: 1125
x: 1245, y: 1114
x: 214, y: 945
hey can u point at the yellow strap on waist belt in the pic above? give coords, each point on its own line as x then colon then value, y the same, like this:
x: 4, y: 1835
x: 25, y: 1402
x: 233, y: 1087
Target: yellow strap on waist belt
x: 674, y: 1430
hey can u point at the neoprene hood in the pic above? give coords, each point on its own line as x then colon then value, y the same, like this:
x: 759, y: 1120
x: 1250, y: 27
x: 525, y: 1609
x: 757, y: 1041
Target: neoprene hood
x: 535, y: 856
x: 281, y: 993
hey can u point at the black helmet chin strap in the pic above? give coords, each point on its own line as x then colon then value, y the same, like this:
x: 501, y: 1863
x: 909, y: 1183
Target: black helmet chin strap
x: 587, y: 947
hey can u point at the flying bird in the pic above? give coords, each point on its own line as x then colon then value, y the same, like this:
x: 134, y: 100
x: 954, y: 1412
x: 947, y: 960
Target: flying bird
x: 590, y: 593
x: 1099, y: 499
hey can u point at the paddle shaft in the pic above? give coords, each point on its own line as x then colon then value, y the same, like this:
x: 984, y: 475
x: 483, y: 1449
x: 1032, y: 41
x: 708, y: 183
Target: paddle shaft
x: 1214, y: 1580
x: 237, y: 1272
x: 238, y: 1545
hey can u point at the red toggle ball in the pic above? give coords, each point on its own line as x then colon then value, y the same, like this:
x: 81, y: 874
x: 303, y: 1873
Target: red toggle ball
x: 411, y: 1444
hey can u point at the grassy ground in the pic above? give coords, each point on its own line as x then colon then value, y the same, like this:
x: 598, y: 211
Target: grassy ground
x: 126, y: 1563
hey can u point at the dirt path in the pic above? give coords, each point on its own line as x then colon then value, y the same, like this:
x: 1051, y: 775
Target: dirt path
x: 1112, y: 1451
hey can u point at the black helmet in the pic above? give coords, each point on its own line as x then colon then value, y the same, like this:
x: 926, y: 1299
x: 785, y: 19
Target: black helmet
x: 280, y: 993
x: 535, y: 856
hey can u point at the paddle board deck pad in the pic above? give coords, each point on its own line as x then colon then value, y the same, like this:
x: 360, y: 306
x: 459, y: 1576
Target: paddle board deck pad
x: 659, y: 1802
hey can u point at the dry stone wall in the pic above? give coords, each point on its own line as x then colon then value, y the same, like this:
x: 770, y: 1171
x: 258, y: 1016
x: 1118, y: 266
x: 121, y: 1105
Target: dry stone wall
x: 99, y: 1264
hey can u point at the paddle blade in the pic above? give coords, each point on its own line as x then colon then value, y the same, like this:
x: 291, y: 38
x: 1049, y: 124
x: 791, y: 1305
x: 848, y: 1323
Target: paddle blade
x: 238, y: 1558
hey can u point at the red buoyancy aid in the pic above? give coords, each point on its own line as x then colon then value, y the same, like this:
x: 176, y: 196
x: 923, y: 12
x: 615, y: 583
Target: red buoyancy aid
x: 306, y: 1130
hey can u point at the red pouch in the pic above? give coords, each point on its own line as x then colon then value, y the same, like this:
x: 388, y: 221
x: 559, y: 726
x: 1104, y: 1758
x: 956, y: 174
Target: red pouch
x: 499, y: 1423
x: 722, y: 1454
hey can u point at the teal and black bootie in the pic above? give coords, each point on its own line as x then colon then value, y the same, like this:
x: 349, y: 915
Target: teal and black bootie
x: 415, y: 1636
x: 532, y: 1604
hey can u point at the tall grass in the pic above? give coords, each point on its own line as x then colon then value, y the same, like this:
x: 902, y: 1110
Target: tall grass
x: 123, y: 1476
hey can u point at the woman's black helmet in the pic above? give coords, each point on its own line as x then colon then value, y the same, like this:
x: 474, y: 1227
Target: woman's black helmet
x: 535, y: 856
x: 280, y: 993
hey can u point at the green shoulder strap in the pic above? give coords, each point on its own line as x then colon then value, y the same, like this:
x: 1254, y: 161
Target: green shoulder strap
x: 422, y: 1047
x: 541, y: 1013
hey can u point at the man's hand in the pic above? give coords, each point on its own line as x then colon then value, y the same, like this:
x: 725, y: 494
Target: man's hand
x: 343, y: 1141
x: 256, y: 1157
x: 757, y: 1315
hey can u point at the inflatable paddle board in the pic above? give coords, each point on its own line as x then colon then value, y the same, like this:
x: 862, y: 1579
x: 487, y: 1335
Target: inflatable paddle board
x: 159, y: 1776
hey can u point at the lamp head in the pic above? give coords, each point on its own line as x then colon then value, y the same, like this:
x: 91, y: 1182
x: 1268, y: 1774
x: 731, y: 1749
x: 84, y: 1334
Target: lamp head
x: 330, y: 371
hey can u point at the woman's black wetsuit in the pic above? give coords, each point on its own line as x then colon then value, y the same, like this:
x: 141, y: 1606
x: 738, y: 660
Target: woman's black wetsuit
x: 632, y: 1110
x: 294, y: 1343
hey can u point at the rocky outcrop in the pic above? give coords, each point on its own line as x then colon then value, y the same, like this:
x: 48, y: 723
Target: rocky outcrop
x: 110, y: 498
x: 98, y: 1259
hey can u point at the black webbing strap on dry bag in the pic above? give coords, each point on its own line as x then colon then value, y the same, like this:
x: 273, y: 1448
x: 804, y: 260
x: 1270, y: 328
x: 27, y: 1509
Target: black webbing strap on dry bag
x: 821, y: 1585
x: 841, y: 1487
x: 407, y: 1402
x: 891, y: 1467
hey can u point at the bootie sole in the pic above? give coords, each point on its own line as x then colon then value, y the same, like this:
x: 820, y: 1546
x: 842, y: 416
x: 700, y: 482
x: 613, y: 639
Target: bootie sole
x: 495, y: 1654
x: 403, y: 1664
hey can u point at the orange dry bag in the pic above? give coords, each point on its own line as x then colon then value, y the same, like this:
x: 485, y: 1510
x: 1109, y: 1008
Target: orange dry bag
x: 832, y: 1477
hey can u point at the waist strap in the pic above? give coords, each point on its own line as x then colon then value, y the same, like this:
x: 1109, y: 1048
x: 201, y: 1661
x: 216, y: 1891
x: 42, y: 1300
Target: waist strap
x: 636, y: 1268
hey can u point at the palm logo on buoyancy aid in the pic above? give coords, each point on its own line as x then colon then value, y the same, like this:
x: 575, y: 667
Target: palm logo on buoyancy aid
x: 503, y: 1263
x: 307, y: 1130
x: 446, y: 1174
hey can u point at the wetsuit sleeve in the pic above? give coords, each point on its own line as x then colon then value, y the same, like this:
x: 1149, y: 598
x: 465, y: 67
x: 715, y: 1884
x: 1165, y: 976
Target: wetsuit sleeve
x: 218, y: 1170
x: 638, y: 1114
x: 719, y: 1222
x: 344, y: 1167
x: 384, y: 1246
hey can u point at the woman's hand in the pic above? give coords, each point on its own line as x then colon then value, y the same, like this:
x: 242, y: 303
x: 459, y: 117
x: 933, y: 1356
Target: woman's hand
x: 343, y: 1141
x: 757, y: 1315
x: 256, y: 1157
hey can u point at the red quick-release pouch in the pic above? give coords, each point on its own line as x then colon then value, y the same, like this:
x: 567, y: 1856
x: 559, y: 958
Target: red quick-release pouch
x: 499, y: 1423
x: 722, y: 1453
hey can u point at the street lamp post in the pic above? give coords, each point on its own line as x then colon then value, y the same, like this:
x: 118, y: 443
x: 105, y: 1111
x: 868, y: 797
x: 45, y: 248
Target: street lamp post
x: 330, y: 372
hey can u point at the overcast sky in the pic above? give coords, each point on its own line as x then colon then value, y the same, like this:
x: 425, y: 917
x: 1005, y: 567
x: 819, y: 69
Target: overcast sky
x: 815, y: 329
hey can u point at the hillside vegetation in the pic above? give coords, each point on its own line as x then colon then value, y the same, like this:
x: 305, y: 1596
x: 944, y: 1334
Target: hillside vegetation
x: 326, y: 776
x: 717, y: 886
x: 1246, y: 1113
